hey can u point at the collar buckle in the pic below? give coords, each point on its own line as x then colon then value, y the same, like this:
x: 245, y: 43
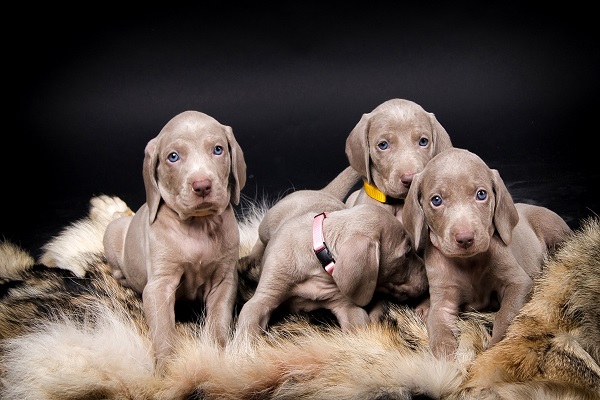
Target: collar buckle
x: 321, y: 250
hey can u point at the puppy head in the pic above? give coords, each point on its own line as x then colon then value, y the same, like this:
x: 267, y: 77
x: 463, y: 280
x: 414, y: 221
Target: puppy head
x: 194, y: 165
x: 459, y: 202
x: 357, y: 268
x: 238, y: 166
x: 376, y: 255
x: 393, y: 142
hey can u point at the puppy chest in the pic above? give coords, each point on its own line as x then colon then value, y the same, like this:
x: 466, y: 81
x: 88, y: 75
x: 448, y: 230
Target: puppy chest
x: 473, y: 285
x: 479, y: 292
x: 200, y: 279
x: 196, y: 246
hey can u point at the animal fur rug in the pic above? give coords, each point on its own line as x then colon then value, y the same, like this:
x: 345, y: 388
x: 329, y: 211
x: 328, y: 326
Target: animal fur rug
x: 68, y: 330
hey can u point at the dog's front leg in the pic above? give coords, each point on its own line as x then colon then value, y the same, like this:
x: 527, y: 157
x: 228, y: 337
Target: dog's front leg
x: 441, y: 323
x: 159, y: 309
x: 512, y: 298
x: 444, y: 303
x: 219, y: 306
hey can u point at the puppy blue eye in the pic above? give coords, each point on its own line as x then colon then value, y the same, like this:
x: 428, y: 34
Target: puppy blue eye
x: 218, y: 150
x: 481, y: 194
x: 436, y: 201
x: 383, y: 145
x: 173, y: 157
x: 423, y: 142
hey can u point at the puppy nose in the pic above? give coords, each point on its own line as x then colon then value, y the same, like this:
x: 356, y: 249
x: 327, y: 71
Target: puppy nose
x: 202, y: 187
x: 406, y: 179
x: 464, y: 239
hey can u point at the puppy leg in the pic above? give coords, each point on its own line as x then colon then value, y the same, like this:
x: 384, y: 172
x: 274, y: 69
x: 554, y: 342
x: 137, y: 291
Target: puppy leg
x: 114, y: 243
x: 377, y: 310
x: 422, y: 309
x: 441, y: 322
x: 515, y: 296
x: 158, y: 300
x: 256, y: 313
x: 250, y: 264
x: 349, y: 315
x: 219, y: 305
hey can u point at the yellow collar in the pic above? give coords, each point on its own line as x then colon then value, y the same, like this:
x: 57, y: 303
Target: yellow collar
x: 378, y: 195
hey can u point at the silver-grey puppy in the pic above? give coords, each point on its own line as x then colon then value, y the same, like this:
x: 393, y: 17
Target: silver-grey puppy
x: 184, y: 241
x: 481, y: 250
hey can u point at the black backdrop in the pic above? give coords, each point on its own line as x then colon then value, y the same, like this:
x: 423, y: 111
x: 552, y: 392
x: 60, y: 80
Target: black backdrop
x: 88, y: 88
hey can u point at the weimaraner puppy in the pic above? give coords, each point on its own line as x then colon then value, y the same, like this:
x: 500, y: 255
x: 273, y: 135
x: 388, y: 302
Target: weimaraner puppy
x: 481, y: 250
x: 184, y: 241
x: 329, y: 198
x: 365, y: 251
x: 388, y: 146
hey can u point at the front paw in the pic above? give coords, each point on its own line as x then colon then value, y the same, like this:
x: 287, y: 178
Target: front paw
x: 119, y: 276
x: 378, y: 311
x: 422, y: 309
x: 443, y: 346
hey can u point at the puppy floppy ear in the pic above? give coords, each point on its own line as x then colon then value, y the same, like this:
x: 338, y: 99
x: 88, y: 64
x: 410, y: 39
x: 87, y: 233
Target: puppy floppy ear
x: 357, y: 147
x: 441, y: 139
x: 413, y: 217
x: 150, y: 178
x: 238, y: 166
x: 356, y: 269
x: 506, y: 215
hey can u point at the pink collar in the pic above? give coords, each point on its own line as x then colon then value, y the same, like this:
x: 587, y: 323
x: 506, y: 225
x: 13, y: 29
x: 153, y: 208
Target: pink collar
x: 319, y: 246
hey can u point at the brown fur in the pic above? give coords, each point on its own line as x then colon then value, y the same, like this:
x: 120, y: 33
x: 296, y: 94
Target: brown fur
x: 554, y: 342
x: 33, y: 293
x: 71, y: 337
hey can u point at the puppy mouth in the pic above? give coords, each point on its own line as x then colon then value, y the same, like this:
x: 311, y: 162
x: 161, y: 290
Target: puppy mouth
x: 202, y: 209
x: 205, y: 209
x: 461, y: 252
x: 398, y: 192
x: 204, y: 213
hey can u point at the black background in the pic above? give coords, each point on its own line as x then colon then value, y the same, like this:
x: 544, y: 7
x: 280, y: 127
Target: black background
x: 87, y: 88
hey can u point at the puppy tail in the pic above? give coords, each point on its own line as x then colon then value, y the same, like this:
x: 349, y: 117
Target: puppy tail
x: 341, y: 184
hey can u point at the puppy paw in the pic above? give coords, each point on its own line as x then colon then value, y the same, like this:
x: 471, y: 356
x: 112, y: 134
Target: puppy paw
x: 443, y: 346
x: 422, y: 309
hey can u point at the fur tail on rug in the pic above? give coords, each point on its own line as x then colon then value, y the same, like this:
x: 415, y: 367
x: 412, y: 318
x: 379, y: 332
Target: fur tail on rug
x: 76, y: 334
x: 71, y: 247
